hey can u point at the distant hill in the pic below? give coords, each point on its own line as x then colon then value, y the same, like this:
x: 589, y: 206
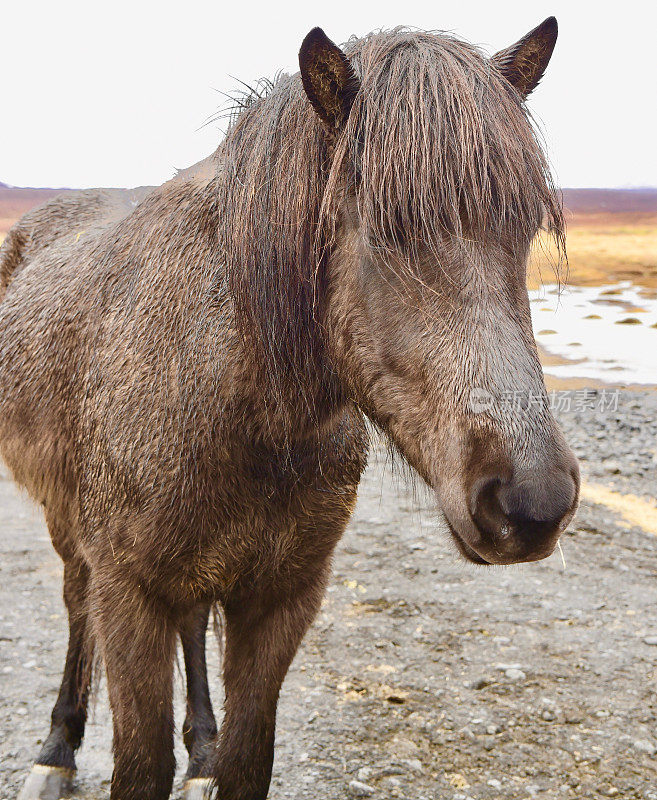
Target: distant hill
x: 611, y: 201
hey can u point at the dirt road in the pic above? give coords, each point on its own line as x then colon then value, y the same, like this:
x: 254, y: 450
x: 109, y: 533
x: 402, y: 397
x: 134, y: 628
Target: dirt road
x: 423, y: 677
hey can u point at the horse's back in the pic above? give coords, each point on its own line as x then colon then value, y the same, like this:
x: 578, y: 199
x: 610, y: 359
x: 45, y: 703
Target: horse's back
x: 65, y: 217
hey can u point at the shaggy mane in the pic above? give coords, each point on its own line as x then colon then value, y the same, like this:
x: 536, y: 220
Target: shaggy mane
x: 438, y: 144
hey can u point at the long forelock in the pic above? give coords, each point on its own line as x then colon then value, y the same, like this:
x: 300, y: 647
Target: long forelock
x: 437, y: 144
x: 442, y: 145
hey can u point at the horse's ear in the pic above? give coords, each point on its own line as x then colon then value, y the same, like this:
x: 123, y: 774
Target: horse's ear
x: 524, y: 63
x: 328, y: 78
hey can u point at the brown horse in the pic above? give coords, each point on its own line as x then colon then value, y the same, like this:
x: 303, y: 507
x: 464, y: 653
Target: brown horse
x: 184, y: 380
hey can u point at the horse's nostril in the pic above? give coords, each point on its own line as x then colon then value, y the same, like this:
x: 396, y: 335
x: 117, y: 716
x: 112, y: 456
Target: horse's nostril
x: 486, y: 510
x: 541, y: 501
x: 529, y: 508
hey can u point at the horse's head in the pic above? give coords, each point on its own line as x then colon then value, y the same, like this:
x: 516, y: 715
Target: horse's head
x: 442, y: 189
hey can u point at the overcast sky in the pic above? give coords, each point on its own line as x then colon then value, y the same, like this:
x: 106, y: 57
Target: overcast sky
x: 116, y: 94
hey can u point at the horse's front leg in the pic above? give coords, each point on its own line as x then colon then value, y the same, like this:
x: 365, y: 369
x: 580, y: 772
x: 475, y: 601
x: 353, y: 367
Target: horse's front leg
x: 53, y: 772
x: 137, y: 634
x: 263, y: 632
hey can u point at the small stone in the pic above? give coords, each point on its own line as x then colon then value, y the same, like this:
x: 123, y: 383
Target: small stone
x: 494, y: 783
x: 652, y: 640
x: 480, y: 683
x: 414, y: 765
x: 514, y: 674
x: 360, y: 789
x: 389, y: 769
x: 548, y: 715
x: 645, y: 746
x: 22, y: 712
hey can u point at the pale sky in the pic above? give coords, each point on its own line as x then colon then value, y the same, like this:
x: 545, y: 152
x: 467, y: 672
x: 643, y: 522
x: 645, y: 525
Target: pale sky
x: 116, y: 94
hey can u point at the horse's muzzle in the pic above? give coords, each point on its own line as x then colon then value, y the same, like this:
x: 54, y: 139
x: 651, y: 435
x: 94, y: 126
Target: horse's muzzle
x: 518, y: 519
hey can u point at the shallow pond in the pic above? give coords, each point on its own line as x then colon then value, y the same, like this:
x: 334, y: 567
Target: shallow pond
x: 602, y: 333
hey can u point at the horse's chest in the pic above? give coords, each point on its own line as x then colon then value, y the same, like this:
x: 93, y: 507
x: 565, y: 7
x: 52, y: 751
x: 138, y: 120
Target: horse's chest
x: 196, y: 522
x: 276, y: 538
x: 273, y: 519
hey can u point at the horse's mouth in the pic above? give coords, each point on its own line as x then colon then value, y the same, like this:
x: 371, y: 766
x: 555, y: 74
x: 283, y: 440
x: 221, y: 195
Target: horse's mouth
x: 536, y: 553
x: 466, y: 551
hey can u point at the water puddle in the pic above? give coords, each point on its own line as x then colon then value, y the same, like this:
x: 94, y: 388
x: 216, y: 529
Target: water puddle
x: 599, y: 333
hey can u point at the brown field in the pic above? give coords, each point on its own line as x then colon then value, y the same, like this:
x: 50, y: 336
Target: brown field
x: 612, y: 234
x: 603, y: 248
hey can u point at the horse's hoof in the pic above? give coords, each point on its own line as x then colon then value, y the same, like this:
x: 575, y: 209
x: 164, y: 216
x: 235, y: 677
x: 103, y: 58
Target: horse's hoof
x: 197, y: 789
x: 47, y: 783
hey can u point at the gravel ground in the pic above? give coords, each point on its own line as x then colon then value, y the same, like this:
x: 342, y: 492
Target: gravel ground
x: 423, y: 677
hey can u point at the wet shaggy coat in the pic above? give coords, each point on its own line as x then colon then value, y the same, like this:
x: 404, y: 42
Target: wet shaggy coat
x: 179, y: 385
x: 140, y: 433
